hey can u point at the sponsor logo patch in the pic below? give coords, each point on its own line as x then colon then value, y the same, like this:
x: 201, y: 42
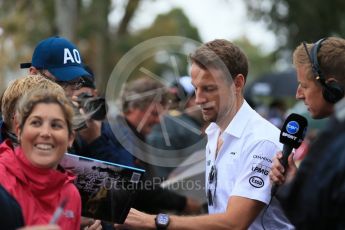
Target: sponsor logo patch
x: 260, y: 168
x: 292, y: 127
x: 262, y: 158
x: 256, y: 182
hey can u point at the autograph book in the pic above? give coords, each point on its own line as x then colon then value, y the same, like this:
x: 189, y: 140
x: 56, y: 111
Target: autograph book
x: 107, y: 190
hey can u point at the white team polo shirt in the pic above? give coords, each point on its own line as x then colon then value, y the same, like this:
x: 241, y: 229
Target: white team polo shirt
x: 243, y: 164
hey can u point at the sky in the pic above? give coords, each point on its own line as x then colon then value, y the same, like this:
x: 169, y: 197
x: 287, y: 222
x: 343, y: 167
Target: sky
x: 214, y: 19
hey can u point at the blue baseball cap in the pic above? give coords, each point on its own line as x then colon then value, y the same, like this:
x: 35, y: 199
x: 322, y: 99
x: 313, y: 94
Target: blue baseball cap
x: 60, y: 57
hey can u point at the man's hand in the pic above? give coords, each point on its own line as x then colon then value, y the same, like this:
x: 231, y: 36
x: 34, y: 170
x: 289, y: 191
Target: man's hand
x: 90, y: 224
x: 92, y: 131
x: 279, y: 175
x: 93, y: 127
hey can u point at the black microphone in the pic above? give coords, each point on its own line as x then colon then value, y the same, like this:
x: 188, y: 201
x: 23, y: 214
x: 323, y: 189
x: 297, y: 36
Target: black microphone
x: 291, y: 135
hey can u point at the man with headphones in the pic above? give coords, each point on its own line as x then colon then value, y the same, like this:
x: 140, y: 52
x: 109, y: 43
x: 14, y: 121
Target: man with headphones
x: 313, y: 196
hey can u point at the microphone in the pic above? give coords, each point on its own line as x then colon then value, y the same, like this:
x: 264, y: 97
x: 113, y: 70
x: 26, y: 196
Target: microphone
x: 291, y: 135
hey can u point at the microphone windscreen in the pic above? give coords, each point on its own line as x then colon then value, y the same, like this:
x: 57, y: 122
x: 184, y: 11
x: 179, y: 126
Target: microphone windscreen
x: 293, y: 130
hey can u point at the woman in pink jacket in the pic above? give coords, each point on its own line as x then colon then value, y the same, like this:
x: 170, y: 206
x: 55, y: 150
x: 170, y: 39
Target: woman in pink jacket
x: 31, y: 172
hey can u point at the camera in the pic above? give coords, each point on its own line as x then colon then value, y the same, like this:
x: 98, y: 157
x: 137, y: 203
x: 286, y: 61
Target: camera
x: 96, y: 107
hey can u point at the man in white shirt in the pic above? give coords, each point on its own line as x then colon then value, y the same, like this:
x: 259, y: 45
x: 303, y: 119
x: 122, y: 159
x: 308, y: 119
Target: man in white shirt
x: 239, y: 152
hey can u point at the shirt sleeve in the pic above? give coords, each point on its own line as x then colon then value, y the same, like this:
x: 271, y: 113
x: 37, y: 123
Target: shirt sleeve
x: 253, y: 180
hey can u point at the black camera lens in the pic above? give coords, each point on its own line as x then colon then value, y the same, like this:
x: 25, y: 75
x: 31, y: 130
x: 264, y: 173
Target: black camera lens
x: 95, y: 106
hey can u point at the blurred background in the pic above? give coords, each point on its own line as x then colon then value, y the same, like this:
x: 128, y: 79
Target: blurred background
x: 105, y: 30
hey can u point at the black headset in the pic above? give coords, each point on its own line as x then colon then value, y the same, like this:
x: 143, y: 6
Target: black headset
x: 332, y: 92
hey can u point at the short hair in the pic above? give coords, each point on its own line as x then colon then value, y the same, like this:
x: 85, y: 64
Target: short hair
x: 19, y: 87
x: 331, y: 58
x: 140, y: 93
x: 30, y: 99
x: 220, y: 52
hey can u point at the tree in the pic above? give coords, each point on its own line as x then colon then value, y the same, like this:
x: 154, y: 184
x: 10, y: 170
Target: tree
x: 24, y: 23
x: 294, y: 21
x: 259, y: 62
x: 172, y: 23
x: 66, y: 17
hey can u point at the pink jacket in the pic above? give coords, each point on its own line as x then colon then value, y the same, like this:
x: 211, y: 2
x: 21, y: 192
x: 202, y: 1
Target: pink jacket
x: 39, y: 191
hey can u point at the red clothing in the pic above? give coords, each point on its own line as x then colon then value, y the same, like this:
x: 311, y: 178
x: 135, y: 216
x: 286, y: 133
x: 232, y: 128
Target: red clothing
x: 39, y: 191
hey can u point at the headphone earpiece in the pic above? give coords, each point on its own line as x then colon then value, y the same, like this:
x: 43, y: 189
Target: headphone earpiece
x: 332, y: 92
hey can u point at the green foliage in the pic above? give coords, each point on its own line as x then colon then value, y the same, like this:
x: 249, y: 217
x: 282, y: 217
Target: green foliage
x: 294, y: 20
x: 175, y: 22
x: 259, y: 62
x: 25, y: 22
x: 172, y: 23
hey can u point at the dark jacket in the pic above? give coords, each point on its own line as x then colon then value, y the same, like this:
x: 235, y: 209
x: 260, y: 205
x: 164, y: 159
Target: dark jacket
x: 38, y: 190
x: 316, y: 197
x: 11, y: 216
x: 176, y: 138
x: 106, y: 147
x: 116, y: 145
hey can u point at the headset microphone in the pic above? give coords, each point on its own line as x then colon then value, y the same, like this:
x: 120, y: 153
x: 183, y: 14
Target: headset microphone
x: 291, y: 135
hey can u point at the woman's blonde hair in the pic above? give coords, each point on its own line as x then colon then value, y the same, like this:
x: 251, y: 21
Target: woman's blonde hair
x: 29, y: 100
x: 18, y: 88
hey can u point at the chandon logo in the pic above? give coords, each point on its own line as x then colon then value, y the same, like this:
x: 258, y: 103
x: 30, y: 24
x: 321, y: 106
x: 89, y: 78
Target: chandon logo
x: 256, y: 182
x: 262, y: 158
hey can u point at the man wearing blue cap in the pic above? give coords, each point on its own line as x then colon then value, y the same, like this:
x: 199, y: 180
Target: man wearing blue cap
x: 59, y: 60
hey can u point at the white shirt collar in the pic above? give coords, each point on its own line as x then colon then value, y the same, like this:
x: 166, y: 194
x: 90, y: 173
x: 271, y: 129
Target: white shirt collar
x: 237, y: 124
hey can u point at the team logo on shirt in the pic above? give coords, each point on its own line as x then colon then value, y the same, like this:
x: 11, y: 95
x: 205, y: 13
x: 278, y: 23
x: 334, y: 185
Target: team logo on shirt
x: 262, y: 158
x: 256, y: 182
x: 260, y: 168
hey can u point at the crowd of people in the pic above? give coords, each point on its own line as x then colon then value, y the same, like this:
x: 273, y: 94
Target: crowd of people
x: 44, y: 116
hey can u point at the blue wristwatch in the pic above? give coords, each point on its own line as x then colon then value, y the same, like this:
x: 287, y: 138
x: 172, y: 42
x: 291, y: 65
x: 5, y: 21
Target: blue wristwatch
x: 162, y: 221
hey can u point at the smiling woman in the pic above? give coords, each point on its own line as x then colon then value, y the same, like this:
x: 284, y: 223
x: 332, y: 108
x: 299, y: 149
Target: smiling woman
x: 31, y: 173
x: 44, y: 137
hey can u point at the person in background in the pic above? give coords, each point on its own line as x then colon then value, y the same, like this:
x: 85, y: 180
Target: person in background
x: 100, y: 143
x: 59, y: 60
x: 240, y: 147
x: 10, y: 98
x: 30, y: 173
x: 276, y: 113
x: 142, y: 102
x: 180, y: 130
x: 313, y: 195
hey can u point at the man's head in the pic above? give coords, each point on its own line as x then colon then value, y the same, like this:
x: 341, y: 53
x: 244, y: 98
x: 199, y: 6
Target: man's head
x: 321, y: 75
x: 216, y: 65
x: 59, y: 60
x: 142, y: 102
x: 88, y: 84
x: 18, y: 88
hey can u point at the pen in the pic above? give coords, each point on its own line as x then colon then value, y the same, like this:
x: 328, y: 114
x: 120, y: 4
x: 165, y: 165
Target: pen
x: 58, y: 211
